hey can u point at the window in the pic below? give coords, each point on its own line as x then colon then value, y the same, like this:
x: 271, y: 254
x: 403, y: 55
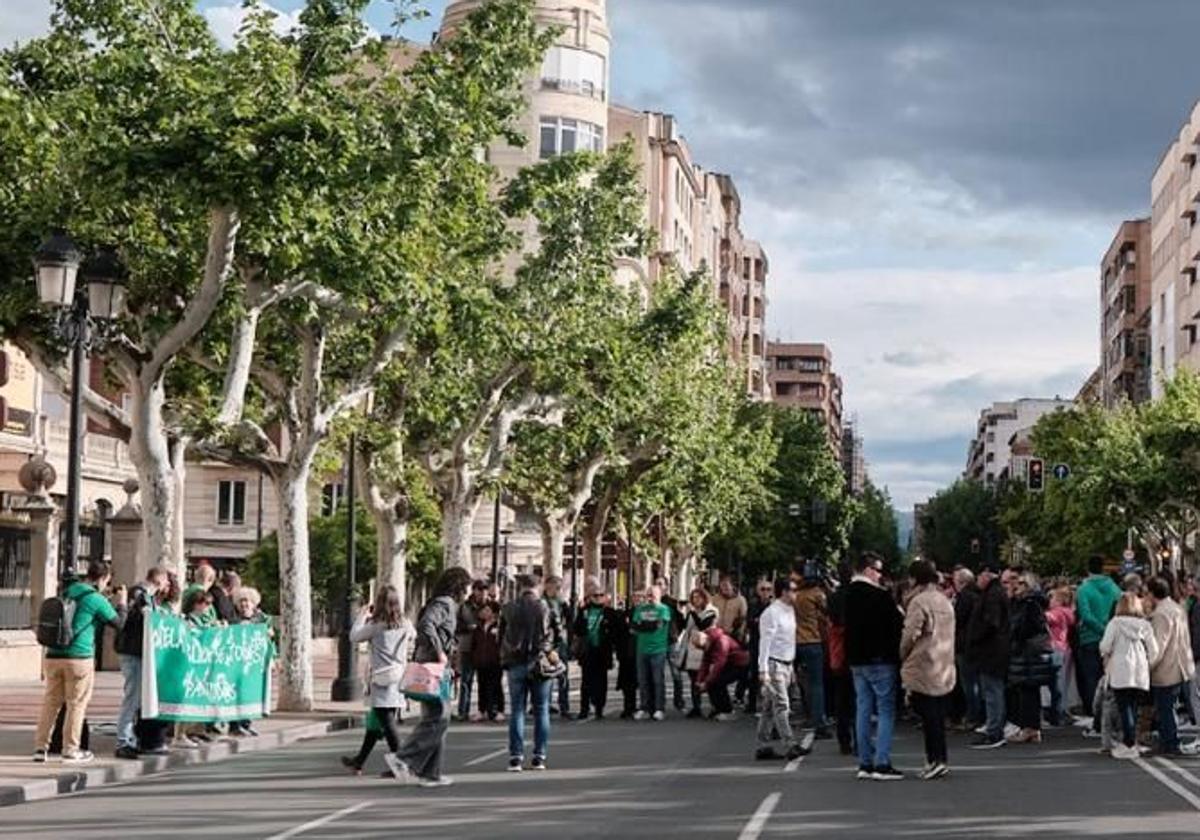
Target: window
x: 561, y: 136
x: 574, y: 71
x: 231, y: 503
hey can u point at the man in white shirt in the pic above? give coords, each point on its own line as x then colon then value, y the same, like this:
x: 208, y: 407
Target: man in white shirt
x: 776, y: 652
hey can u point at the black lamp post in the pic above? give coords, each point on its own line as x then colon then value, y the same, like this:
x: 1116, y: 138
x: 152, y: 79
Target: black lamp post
x: 345, y: 687
x: 84, y: 317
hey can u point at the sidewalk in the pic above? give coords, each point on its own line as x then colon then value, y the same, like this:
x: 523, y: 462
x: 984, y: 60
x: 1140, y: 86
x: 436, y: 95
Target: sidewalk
x: 21, y: 780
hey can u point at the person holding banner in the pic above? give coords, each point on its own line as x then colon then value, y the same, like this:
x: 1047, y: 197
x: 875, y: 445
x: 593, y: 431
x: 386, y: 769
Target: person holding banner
x: 390, y: 634
x: 420, y: 756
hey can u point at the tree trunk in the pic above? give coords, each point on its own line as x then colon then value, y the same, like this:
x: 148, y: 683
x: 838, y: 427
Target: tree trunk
x: 458, y: 517
x: 390, y: 512
x: 160, y: 491
x: 295, y: 583
x: 554, y: 531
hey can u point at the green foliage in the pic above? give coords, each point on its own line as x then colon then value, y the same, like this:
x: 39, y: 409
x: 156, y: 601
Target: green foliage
x: 959, y: 526
x: 805, y: 513
x: 875, y: 528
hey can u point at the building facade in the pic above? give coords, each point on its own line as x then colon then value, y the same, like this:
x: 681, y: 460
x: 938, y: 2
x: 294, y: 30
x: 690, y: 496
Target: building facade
x: 1125, y: 294
x: 1175, y: 257
x: 801, y: 376
x: 989, y: 458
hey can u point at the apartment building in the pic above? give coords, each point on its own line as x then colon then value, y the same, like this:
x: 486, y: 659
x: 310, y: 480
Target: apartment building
x: 1125, y: 294
x: 801, y: 376
x: 1175, y: 257
x: 990, y: 456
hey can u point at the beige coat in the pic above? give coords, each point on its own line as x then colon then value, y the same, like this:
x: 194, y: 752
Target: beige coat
x: 731, y: 614
x: 927, y: 644
x: 1174, y: 664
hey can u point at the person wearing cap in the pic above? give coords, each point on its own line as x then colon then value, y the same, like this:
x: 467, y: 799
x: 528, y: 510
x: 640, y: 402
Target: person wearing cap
x: 873, y: 627
x: 595, y: 633
x: 812, y: 621
x: 988, y: 637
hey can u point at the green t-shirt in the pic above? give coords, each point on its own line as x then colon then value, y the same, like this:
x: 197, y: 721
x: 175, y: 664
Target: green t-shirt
x: 595, y: 618
x: 650, y: 642
x: 91, y: 610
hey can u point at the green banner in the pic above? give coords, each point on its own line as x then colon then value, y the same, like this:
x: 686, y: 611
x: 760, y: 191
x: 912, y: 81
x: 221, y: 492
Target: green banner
x: 204, y: 673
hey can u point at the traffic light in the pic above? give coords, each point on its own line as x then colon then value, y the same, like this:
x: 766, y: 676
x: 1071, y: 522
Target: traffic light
x: 1037, y: 474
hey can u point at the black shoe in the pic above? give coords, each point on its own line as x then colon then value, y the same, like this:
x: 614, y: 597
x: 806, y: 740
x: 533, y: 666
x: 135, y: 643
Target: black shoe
x: 983, y: 742
x: 349, y: 762
x: 695, y: 713
x: 126, y: 752
x: 599, y: 716
x: 626, y: 715
x: 822, y: 733
x: 161, y: 749
x: 583, y: 715
x: 765, y: 754
x: 538, y: 763
x: 846, y: 749
x: 865, y: 772
x: 887, y: 773
x: 797, y: 751
x: 554, y: 711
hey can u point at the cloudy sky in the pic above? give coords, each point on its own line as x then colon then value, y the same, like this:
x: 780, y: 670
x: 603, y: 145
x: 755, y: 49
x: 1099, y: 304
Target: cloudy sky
x: 934, y: 180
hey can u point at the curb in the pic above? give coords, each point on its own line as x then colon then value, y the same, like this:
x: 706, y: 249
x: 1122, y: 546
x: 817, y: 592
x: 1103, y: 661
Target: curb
x: 86, y: 778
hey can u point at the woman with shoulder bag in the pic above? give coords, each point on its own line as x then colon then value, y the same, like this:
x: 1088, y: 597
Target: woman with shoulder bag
x: 390, y: 634
x: 701, y: 615
x: 419, y: 758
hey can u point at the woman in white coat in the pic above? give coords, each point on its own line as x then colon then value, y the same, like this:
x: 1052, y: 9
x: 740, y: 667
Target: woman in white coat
x: 1128, y: 648
x: 700, y: 615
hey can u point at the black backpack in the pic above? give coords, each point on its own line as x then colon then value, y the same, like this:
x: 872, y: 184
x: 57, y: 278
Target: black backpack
x: 56, y: 622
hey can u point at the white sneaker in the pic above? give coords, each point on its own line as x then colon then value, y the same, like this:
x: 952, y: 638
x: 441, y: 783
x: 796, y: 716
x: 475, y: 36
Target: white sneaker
x: 399, y: 769
x: 981, y: 729
x: 641, y: 716
x: 1123, y: 752
x: 440, y: 781
x: 1011, y: 729
x: 726, y: 717
x: 659, y: 716
x: 78, y: 757
x: 475, y: 717
x: 1191, y: 748
x: 39, y: 756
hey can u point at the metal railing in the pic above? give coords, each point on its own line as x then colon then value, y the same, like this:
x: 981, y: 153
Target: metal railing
x: 15, y: 593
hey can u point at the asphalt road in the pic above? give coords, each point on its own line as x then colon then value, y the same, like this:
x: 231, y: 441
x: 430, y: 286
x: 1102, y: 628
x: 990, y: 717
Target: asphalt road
x: 679, y: 778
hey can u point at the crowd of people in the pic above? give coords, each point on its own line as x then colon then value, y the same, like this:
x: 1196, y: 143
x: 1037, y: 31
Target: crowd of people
x: 69, y: 669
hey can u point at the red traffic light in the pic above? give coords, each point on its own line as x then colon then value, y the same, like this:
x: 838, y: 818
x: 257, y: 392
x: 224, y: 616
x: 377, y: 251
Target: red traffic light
x: 1037, y: 474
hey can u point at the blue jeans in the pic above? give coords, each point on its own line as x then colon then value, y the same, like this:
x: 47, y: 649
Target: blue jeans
x: 992, y: 689
x: 968, y: 678
x: 651, y: 683
x: 1166, y: 697
x: 811, y: 659
x: 131, y: 701
x: 875, y: 691
x: 521, y: 688
x: 465, y: 680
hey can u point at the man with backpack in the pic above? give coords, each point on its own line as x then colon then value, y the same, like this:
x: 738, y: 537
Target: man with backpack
x: 142, y: 598
x: 67, y: 628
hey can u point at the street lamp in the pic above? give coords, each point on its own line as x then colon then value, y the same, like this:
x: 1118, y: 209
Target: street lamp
x: 346, y: 686
x: 83, y: 319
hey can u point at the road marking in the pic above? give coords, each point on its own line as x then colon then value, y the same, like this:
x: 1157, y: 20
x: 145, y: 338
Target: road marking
x: 1178, y: 771
x: 759, y: 821
x: 325, y: 820
x: 1168, y: 782
x: 486, y: 757
x: 807, y: 743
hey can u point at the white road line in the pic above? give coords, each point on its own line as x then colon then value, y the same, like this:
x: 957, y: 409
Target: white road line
x: 486, y: 757
x: 807, y: 743
x: 325, y: 820
x: 759, y: 821
x: 1178, y: 771
x: 1169, y: 783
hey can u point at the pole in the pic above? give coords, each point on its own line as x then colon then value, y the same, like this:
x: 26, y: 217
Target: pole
x: 345, y: 687
x: 574, y: 568
x: 69, y: 558
x: 258, y: 530
x: 496, y: 539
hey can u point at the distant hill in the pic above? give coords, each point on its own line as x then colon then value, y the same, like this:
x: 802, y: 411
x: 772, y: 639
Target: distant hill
x: 904, y: 519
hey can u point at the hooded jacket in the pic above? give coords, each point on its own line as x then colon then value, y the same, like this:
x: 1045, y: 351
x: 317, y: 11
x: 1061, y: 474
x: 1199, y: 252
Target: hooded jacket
x: 1128, y: 648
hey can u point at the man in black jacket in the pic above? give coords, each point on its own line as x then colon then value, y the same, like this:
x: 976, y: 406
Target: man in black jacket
x: 988, y: 635
x: 965, y: 598
x: 129, y: 652
x: 527, y: 635
x: 873, y: 626
x: 594, y: 633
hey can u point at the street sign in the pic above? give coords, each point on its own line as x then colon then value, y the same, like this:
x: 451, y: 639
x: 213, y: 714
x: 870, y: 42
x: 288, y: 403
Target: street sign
x: 1062, y: 472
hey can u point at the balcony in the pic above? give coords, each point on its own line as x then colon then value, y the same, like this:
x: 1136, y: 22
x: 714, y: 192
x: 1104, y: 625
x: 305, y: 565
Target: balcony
x: 574, y: 86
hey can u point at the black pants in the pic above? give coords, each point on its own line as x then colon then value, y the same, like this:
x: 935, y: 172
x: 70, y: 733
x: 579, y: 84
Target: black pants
x: 845, y: 709
x: 151, y: 733
x: 1029, y: 706
x: 933, y: 725
x: 387, y: 719
x: 490, y: 680
x: 593, y: 694
x: 718, y: 689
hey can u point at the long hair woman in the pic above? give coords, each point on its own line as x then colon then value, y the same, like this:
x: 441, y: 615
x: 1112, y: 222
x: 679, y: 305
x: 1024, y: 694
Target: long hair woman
x: 390, y: 634
x: 419, y: 758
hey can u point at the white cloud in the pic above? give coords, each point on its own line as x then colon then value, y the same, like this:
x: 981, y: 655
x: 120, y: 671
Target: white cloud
x: 226, y: 21
x: 23, y: 19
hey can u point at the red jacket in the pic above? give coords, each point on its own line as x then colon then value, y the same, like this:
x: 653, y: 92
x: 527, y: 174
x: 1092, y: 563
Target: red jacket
x: 722, y: 652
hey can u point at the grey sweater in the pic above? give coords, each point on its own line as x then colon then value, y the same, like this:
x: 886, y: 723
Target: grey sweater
x: 389, y: 655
